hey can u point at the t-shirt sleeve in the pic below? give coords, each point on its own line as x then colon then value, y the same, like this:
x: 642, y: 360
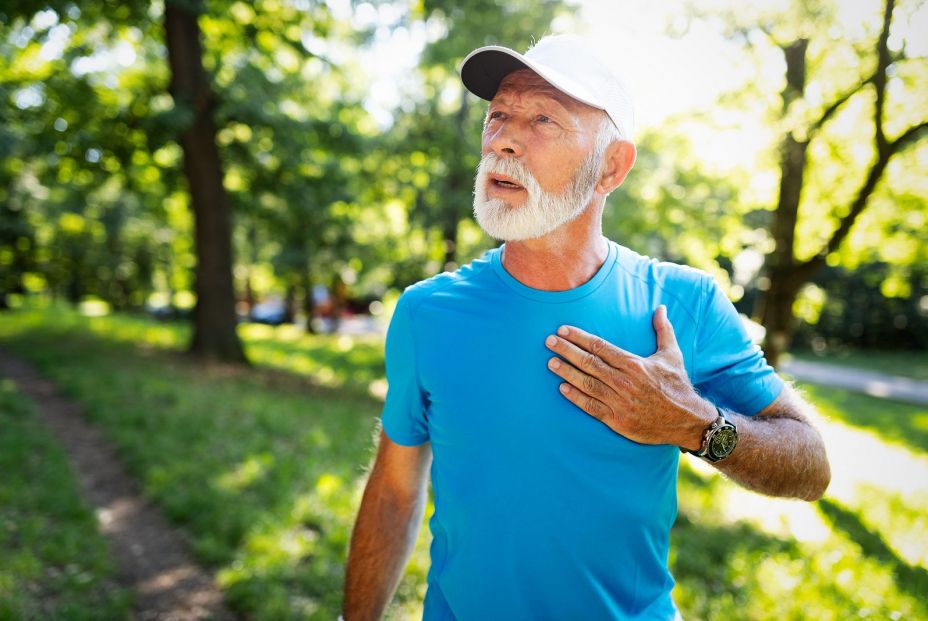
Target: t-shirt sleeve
x: 730, y: 370
x: 404, y: 411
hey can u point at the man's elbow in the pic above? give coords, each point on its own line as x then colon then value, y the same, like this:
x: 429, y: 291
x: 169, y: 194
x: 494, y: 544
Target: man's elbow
x: 819, y: 478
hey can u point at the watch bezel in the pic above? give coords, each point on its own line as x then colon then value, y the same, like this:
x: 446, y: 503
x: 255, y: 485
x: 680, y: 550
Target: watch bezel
x: 709, y: 437
x: 725, y: 432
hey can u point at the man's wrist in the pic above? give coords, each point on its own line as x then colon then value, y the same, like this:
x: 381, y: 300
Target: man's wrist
x: 704, y: 414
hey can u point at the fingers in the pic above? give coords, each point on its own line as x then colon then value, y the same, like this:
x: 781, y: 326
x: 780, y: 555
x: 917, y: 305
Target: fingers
x: 666, y: 338
x: 582, y: 389
x: 586, y: 361
x: 580, y: 380
x: 593, y: 344
x: 592, y: 406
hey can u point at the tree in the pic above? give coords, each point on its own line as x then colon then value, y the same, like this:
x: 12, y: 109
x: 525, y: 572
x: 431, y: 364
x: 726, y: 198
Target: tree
x: 787, y: 273
x: 214, y: 330
x: 90, y: 148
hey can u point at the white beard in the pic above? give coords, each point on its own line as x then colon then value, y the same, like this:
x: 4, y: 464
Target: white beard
x: 542, y: 211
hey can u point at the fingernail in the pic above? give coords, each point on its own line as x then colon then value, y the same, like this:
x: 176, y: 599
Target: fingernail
x: 565, y: 388
x: 554, y: 363
x: 551, y: 341
x: 563, y: 331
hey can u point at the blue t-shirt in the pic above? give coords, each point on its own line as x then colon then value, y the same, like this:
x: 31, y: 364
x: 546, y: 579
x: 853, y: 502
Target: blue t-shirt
x: 541, y: 511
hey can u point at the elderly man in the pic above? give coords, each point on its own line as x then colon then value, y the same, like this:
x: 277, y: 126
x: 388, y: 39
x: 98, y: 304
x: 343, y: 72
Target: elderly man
x: 550, y: 386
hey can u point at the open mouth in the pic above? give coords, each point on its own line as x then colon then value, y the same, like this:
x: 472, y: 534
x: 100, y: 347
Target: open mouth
x: 505, y: 183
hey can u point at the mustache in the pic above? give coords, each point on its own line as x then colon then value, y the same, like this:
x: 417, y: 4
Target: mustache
x: 511, y: 167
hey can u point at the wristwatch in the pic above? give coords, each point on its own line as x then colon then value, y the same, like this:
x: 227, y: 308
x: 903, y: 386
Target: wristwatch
x: 719, y: 441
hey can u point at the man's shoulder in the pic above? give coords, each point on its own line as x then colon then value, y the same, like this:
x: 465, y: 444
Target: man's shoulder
x: 672, y: 277
x: 448, y: 283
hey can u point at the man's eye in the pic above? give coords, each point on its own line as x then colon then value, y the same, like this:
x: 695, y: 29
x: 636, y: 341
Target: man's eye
x: 495, y: 114
x: 543, y: 119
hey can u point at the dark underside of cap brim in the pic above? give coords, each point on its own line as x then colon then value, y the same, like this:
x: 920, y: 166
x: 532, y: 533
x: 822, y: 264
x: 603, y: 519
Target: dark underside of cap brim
x: 483, y: 72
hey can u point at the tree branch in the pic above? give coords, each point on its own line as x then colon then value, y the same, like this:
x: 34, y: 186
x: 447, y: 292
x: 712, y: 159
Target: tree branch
x: 907, y: 136
x: 768, y: 31
x: 879, y: 77
x: 835, y: 105
x: 809, y: 267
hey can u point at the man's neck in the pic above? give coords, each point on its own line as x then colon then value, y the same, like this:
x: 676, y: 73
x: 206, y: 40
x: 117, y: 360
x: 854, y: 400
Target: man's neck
x: 562, y: 260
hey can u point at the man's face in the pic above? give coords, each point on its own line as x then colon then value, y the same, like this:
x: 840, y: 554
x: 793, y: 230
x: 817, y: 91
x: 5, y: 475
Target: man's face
x: 540, y: 163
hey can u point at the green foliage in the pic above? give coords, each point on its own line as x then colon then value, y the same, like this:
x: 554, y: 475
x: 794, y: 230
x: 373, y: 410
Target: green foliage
x: 93, y: 197
x: 84, y: 165
x: 318, y: 194
x: 872, y: 307
x: 672, y: 208
x: 53, y: 563
x: 830, y: 107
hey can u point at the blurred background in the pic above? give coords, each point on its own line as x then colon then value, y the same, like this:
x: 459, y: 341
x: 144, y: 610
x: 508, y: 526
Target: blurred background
x: 256, y: 182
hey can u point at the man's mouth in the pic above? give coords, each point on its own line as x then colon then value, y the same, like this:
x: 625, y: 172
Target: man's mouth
x: 504, y: 182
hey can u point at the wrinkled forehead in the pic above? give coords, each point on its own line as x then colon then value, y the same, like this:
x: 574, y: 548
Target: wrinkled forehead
x: 526, y: 81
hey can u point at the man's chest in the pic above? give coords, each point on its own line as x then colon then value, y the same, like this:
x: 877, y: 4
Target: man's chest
x: 502, y: 433
x: 486, y: 378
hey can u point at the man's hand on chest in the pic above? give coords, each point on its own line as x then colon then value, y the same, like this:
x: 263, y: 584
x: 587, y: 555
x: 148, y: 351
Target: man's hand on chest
x: 649, y: 400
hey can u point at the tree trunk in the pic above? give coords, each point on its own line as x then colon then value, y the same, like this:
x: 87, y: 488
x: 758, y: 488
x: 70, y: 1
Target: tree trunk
x: 290, y: 303
x: 339, y: 297
x: 214, y: 333
x: 249, y: 293
x: 13, y: 229
x: 74, y: 289
x: 776, y: 303
x: 778, y: 314
x: 309, y: 305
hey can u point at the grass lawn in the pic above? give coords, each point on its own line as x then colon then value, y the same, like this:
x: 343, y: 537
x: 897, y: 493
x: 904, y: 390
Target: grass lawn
x: 913, y: 364
x: 264, y: 467
x: 53, y: 564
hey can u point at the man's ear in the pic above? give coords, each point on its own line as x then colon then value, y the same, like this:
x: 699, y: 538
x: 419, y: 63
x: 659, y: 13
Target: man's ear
x: 620, y: 157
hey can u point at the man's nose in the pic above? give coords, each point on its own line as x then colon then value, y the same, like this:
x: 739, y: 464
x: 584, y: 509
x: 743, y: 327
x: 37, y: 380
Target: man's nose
x: 503, y: 140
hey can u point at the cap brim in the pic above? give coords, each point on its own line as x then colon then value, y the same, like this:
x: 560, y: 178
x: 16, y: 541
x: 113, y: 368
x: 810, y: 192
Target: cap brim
x: 484, y: 69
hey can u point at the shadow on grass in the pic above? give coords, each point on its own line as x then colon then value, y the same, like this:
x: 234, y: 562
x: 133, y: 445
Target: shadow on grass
x: 912, y: 580
x: 713, y: 565
x: 689, y: 478
x: 336, y: 361
x: 892, y: 420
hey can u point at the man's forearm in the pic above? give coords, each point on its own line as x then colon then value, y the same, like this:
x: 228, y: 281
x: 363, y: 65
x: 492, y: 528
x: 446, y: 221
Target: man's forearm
x: 382, y: 540
x: 779, y: 452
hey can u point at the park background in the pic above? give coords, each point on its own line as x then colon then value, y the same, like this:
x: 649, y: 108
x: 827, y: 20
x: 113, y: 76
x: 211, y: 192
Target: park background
x: 208, y: 210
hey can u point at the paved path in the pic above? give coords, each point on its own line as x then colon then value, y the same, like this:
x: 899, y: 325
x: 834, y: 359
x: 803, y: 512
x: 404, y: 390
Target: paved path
x: 859, y: 380
x: 153, y: 557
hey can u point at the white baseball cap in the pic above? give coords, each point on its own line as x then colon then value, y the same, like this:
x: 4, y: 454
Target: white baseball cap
x: 566, y: 63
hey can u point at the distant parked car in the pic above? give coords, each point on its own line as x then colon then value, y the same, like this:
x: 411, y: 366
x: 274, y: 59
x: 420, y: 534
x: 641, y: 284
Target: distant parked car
x: 272, y: 312
x: 166, y: 312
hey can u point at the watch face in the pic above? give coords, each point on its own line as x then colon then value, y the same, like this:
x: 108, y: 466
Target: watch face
x: 723, y: 442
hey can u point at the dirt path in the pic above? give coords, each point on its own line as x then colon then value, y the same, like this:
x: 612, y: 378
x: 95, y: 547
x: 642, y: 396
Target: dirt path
x: 153, y: 557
